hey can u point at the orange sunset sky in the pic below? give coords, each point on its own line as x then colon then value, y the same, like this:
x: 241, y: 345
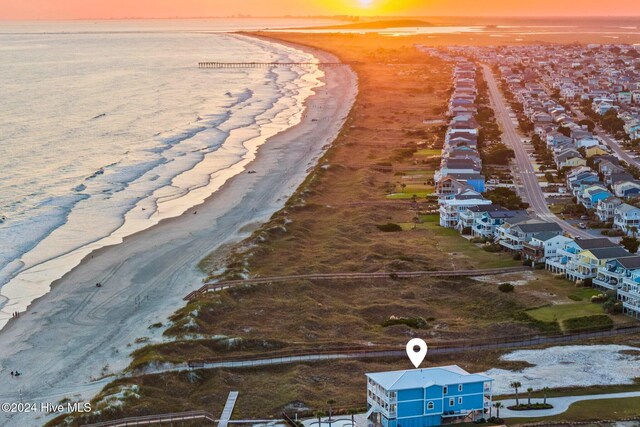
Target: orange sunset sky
x: 107, y: 9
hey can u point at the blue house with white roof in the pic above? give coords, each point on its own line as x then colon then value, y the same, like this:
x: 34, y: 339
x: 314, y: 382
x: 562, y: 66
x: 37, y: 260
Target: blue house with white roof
x: 427, y: 397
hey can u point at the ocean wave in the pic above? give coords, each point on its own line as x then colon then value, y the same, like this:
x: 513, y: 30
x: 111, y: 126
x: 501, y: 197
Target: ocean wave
x: 178, y: 168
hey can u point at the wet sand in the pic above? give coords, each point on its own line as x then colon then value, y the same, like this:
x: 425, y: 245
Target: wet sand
x: 78, y: 332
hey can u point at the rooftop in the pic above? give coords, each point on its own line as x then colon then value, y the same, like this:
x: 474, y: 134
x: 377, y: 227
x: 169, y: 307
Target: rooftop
x: 422, y: 378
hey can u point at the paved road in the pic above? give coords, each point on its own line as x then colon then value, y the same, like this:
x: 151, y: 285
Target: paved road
x: 560, y: 404
x: 530, y: 186
x: 617, y: 149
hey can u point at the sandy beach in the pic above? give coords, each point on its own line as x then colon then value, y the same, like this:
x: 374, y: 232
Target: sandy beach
x: 79, y: 333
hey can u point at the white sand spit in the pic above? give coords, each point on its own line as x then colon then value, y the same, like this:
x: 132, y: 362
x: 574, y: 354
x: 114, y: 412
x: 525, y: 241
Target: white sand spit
x: 566, y: 366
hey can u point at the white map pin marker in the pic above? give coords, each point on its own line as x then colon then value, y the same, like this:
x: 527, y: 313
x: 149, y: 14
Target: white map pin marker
x: 416, y: 357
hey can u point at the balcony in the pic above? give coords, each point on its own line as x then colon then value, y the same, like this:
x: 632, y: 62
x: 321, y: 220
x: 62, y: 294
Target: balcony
x: 514, y: 245
x: 456, y: 414
x: 603, y: 283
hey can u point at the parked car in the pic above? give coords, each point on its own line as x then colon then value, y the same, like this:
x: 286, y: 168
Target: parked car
x: 582, y: 226
x: 584, y: 217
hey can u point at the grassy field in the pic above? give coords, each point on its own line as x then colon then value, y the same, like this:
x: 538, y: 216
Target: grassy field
x: 428, y: 152
x: 591, y: 410
x: 562, y: 312
x: 310, y: 315
x: 411, y: 193
x: 580, y: 391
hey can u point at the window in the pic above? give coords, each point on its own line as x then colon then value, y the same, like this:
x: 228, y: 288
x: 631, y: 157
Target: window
x: 445, y: 390
x: 452, y: 402
x: 460, y: 401
x: 430, y: 405
x: 459, y: 387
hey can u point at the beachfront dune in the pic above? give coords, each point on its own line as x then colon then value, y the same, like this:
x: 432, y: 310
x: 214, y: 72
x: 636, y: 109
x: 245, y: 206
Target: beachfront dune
x: 79, y: 332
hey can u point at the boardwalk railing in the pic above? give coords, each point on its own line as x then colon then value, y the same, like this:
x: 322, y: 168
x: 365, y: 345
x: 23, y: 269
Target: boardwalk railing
x: 266, y: 64
x: 210, y: 287
x: 442, y: 348
x: 171, y: 418
x: 157, y: 419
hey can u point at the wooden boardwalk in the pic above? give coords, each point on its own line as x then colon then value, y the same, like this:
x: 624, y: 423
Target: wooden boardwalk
x: 217, y: 286
x: 266, y: 64
x: 228, y: 409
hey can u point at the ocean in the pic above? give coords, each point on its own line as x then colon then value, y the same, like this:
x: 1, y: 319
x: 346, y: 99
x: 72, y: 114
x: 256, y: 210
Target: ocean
x: 108, y: 127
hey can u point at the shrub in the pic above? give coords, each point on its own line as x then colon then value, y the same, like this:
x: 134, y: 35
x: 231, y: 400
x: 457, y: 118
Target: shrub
x: 479, y: 240
x: 466, y: 231
x: 506, y: 287
x: 526, y: 407
x: 599, y: 299
x: 613, y: 233
x: 412, y: 322
x: 612, y: 307
x: 596, y: 321
x: 492, y: 247
x: 389, y: 228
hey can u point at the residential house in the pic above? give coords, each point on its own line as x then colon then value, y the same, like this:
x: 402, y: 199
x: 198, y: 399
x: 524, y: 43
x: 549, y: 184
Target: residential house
x: 543, y: 245
x: 571, y: 250
x: 515, y: 232
x: 597, y: 150
x: 473, y: 213
x: 587, y: 262
x: 610, y: 276
x: 629, y: 294
x: 591, y: 195
x: 605, y: 209
x: 427, y: 397
x: 487, y: 225
x: 451, y: 208
x: 627, y: 218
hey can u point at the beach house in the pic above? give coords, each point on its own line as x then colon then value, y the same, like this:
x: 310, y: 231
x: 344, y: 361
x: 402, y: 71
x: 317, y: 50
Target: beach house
x: 629, y: 294
x: 610, y: 276
x: 514, y: 232
x: 569, y: 253
x: 627, y: 218
x: 427, y: 397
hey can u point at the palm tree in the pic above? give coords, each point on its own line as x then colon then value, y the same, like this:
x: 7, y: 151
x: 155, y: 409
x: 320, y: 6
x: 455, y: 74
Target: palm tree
x: 516, y: 385
x: 529, y: 390
x: 545, y: 390
x: 330, y: 402
x: 319, y: 415
x: 498, y: 405
x: 353, y: 413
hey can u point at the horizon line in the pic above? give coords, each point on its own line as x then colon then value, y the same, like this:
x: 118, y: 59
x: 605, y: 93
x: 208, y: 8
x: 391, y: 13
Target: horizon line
x: 335, y: 17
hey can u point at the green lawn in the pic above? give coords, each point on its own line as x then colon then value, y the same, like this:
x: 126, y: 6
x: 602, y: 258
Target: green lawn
x: 560, y: 312
x: 556, y: 209
x: 425, y: 172
x: 579, y: 391
x: 592, y: 410
x: 407, y: 196
x: 449, y: 241
x: 428, y: 152
x: 584, y: 294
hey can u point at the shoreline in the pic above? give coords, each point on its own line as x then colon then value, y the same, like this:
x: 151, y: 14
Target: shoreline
x: 83, y: 332
x: 41, y: 271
